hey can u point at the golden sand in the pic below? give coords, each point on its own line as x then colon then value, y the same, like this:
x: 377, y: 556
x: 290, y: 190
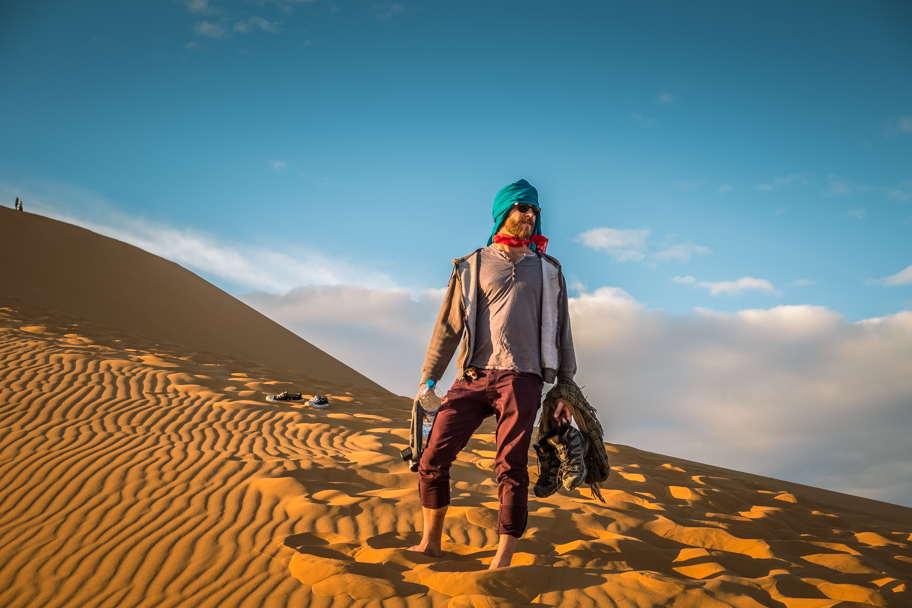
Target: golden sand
x: 137, y: 471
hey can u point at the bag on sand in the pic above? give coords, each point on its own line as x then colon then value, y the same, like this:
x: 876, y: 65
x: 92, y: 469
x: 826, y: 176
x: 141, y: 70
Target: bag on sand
x: 596, y: 458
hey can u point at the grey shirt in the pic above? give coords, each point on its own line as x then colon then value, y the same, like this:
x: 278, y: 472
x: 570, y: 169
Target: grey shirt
x: 455, y: 326
x: 508, y: 329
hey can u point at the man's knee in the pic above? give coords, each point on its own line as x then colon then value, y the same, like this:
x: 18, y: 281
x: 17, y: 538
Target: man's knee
x: 429, y: 472
x: 513, y: 474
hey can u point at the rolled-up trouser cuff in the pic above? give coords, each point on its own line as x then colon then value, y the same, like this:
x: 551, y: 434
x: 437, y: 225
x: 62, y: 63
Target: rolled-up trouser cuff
x: 433, y: 491
x: 512, y: 519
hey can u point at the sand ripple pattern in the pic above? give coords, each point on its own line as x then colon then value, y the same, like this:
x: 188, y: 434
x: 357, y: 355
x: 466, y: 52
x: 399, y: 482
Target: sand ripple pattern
x: 142, y: 476
x: 129, y: 480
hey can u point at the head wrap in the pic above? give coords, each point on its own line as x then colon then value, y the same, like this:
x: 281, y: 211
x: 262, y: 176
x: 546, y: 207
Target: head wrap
x: 517, y: 192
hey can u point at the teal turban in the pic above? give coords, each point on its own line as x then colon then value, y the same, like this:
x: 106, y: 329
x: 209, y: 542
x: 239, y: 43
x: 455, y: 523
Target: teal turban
x: 517, y: 192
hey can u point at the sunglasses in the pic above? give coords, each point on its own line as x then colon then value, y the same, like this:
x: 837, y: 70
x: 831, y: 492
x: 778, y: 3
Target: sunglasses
x: 525, y: 208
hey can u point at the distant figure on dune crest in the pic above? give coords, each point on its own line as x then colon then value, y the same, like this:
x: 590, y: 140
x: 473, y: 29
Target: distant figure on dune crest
x: 18, y: 204
x: 507, y: 305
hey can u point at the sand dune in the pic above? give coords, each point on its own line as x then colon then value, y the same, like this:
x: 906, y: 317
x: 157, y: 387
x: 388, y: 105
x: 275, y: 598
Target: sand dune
x: 142, y: 473
x: 63, y: 267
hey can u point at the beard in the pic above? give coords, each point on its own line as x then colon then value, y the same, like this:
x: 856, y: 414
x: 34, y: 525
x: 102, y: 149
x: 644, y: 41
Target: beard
x: 519, y: 228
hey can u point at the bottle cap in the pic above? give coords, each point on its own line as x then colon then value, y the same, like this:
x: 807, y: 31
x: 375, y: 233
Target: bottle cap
x: 430, y: 384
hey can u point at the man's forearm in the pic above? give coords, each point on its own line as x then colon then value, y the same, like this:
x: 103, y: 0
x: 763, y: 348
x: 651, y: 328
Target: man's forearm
x: 447, y: 333
x: 439, y: 355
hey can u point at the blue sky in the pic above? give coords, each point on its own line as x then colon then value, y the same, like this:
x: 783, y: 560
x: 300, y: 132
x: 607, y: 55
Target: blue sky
x: 692, y: 159
x: 777, y: 138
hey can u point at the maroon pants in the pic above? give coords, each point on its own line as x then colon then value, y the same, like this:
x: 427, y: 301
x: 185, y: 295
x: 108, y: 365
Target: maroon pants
x: 514, y: 397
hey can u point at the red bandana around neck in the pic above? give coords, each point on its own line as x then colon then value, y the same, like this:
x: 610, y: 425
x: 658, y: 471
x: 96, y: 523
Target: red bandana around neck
x: 541, y: 243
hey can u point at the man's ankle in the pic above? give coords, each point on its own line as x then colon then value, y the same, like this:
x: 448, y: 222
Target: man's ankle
x: 505, y: 550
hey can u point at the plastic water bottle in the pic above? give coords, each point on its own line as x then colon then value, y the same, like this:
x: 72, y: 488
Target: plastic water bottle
x: 430, y: 398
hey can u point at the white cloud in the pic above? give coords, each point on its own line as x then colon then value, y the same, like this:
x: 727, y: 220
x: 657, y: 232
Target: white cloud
x: 243, y: 265
x: 255, y: 23
x: 902, y: 192
x: 387, y: 10
x: 858, y: 214
x: 735, y: 288
x: 681, y: 251
x: 723, y: 188
x: 279, y: 165
x: 898, y: 126
x: 383, y: 333
x: 622, y: 245
x: 786, y: 181
x: 903, y: 277
x: 288, y: 6
x: 199, y: 7
x: 641, y: 120
x: 794, y: 392
x: 632, y: 245
x: 837, y: 186
x: 666, y: 98
x: 210, y: 30
x: 687, y: 185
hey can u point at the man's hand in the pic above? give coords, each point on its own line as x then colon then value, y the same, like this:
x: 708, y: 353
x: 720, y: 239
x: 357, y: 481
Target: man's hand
x: 562, y: 413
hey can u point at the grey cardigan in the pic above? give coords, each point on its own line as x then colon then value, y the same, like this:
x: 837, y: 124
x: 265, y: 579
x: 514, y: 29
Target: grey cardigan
x: 460, y: 308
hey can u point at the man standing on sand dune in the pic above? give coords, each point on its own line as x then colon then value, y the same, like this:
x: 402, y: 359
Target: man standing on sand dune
x: 509, y: 300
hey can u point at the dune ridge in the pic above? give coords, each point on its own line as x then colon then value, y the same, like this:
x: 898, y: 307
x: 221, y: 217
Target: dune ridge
x: 140, y: 472
x: 55, y: 265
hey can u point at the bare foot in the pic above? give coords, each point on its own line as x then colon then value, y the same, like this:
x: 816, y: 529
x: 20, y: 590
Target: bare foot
x: 426, y: 548
x: 505, y: 549
x: 433, y: 532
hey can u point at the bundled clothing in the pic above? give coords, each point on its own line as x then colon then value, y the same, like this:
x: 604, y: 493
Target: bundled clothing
x: 596, y: 457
